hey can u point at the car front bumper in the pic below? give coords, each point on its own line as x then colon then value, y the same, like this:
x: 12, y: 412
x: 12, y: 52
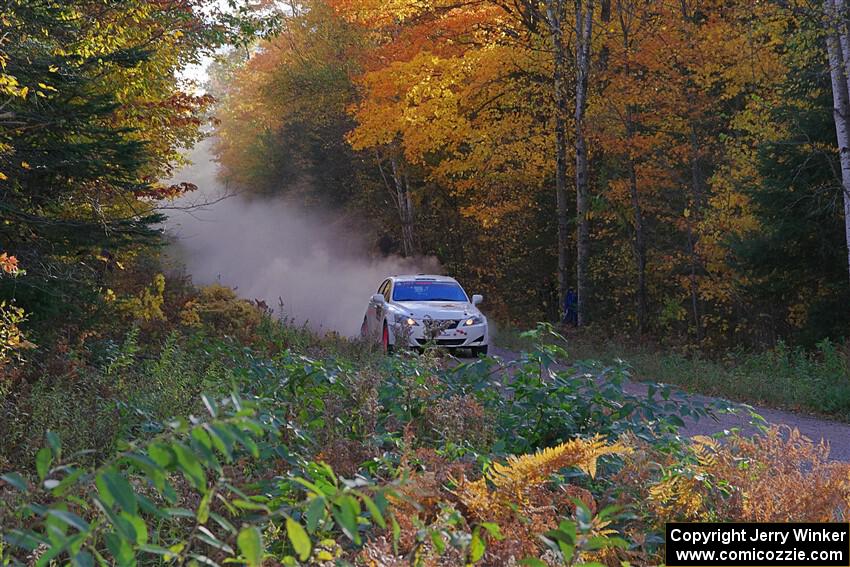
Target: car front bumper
x: 458, y: 337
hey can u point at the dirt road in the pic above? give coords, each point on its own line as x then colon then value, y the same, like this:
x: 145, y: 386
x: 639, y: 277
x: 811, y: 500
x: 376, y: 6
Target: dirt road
x: 836, y: 434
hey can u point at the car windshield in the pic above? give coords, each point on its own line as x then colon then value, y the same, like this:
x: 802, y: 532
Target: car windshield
x: 428, y: 291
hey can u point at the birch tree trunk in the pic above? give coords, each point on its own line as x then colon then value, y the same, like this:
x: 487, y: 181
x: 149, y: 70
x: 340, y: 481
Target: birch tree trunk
x: 838, y: 50
x: 584, y: 28
x: 404, y: 204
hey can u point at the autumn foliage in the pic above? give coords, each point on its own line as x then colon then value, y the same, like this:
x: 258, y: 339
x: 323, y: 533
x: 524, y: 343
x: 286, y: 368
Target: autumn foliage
x: 450, y: 112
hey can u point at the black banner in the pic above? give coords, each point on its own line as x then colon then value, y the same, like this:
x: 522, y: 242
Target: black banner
x: 760, y: 545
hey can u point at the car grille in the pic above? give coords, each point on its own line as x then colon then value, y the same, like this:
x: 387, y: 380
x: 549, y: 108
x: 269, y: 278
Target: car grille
x: 449, y: 323
x: 443, y: 342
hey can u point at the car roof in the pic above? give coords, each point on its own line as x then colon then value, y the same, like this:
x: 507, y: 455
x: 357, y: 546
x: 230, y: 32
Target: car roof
x: 423, y: 277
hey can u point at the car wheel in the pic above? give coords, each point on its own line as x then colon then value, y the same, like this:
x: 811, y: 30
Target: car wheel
x: 385, y: 340
x: 479, y: 351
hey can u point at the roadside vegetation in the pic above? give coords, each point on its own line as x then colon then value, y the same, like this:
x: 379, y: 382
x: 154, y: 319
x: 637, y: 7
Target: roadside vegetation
x: 222, y: 433
x: 814, y: 381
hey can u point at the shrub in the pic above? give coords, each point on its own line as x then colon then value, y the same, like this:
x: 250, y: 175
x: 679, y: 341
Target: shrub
x: 218, y: 308
x: 146, y: 305
x: 303, y: 451
x: 779, y: 476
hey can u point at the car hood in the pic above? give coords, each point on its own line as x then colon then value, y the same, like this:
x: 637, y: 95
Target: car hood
x: 437, y: 309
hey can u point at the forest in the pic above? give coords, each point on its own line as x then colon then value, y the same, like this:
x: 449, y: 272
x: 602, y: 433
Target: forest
x: 682, y: 165
x: 674, y: 162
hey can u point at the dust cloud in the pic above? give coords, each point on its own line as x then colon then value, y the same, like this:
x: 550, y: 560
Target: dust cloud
x: 274, y: 250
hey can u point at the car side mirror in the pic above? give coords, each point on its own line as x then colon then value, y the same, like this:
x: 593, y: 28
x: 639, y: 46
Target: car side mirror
x: 477, y: 298
x: 378, y: 298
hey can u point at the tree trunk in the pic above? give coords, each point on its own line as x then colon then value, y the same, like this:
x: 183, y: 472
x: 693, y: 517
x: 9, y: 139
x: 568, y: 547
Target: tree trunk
x: 405, y: 208
x: 695, y: 206
x: 838, y: 49
x: 637, y: 211
x: 554, y: 17
x: 640, y: 250
x: 408, y: 215
x: 584, y: 24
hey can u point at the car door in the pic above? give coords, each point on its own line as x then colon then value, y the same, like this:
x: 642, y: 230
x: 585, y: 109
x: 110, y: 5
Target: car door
x: 375, y: 314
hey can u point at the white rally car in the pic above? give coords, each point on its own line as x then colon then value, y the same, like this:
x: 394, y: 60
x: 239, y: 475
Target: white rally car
x: 425, y: 310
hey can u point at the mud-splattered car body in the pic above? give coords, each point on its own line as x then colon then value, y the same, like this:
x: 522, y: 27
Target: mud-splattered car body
x: 422, y: 310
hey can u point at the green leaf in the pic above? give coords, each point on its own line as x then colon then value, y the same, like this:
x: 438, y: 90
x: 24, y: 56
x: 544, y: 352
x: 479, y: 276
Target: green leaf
x: 676, y: 420
x: 54, y: 444
x: 179, y: 512
x: 83, y: 559
x: 250, y: 544
x: 161, y: 454
x: 345, y: 514
x: 150, y: 548
x: 396, y: 531
x: 114, y: 487
x: 139, y: 527
x: 15, y: 480
x: 66, y: 482
x: 147, y: 506
x: 28, y: 540
x: 373, y: 510
x: 69, y: 518
x: 299, y: 538
x: 120, y: 549
x: 123, y: 528
x: 203, y: 447
x: 438, y: 541
x: 476, y: 546
x: 561, y: 535
x: 222, y: 440
x: 203, y: 513
x: 200, y: 435
x: 312, y: 487
x: 248, y: 505
x: 190, y: 466
x: 150, y: 468
x: 315, y: 512
x: 493, y: 530
x: 602, y: 542
x: 223, y: 523
x: 249, y: 444
x: 43, y: 459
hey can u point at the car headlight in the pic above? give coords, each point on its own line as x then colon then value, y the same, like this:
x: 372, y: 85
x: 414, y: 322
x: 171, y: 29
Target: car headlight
x: 473, y: 321
x: 411, y: 322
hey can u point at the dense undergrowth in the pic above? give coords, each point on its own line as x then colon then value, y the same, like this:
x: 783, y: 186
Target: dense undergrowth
x: 814, y: 381
x: 231, y: 436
